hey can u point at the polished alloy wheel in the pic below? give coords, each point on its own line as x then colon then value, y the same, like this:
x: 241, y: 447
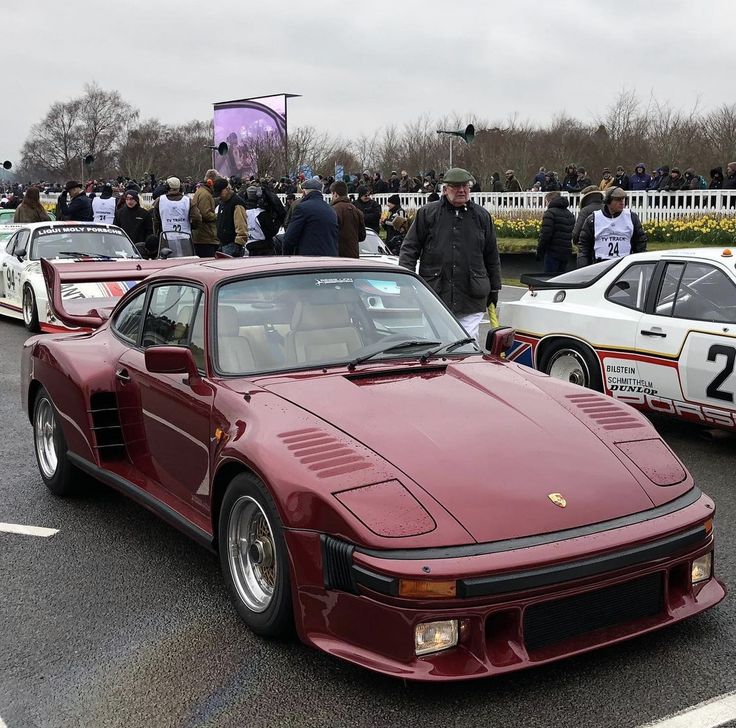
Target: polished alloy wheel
x: 252, y: 554
x: 29, y: 306
x: 44, y: 428
x: 569, y: 365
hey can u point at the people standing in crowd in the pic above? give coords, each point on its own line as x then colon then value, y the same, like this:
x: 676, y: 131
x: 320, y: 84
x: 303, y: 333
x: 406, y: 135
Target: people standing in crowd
x: 496, y: 184
x: 655, y: 181
x: 80, y: 206
x: 621, y: 179
x: 174, y: 211
x: 406, y: 184
x: 260, y: 224
x: 103, y: 207
x: 313, y: 226
x: 350, y: 222
x: 539, y: 176
x: 554, y: 246
x: 31, y: 209
x: 204, y: 236
x: 455, y: 243
x: 134, y: 219
x: 664, y: 177
x: 716, y: 179
x: 551, y: 184
x: 513, y: 185
x: 591, y: 200
x: 693, y: 181
x: 612, y: 232
x: 394, y: 211
x: 729, y: 182
x: 232, y: 221
x: 570, y: 180
x: 380, y: 186
x: 393, y: 182
x: 640, y: 179
x: 370, y: 208
x: 583, y: 179
x: 606, y: 179
x: 675, y: 183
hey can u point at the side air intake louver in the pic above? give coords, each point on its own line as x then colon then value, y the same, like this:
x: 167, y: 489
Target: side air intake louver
x: 106, y: 426
x: 606, y: 413
x: 337, y: 559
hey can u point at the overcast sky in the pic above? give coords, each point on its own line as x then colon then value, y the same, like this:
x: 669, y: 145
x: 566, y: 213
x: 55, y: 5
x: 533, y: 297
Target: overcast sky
x: 362, y: 65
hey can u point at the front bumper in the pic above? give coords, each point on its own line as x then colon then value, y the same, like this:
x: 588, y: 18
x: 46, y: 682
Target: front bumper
x: 516, y: 608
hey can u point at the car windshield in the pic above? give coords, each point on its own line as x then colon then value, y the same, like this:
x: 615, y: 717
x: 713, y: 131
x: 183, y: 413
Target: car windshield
x: 329, y: 318
x: 586, y: 275
x: 373, y: 245
x: 81, y: 242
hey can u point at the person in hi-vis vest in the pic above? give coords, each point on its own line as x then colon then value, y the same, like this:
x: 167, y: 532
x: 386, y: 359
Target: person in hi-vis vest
x: 103, y: 207
x: 612, y: 232
x: 174, y: 212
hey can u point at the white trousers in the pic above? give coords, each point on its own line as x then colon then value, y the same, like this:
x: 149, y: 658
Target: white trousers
x: 471, y: 323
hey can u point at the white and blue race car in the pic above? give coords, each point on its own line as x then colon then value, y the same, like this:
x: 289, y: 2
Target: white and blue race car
x: 656, y: 330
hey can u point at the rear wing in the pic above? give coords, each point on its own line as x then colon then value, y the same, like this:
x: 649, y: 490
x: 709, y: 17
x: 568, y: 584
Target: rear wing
x: 113, y: 279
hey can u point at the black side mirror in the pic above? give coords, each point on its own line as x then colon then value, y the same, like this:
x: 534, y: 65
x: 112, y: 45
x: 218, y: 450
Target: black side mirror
x: 20, y: 254
x: 164, y: 253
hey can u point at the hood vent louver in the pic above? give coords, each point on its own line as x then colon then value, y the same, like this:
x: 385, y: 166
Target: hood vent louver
x: 605, y: 412
x: 322, y: 453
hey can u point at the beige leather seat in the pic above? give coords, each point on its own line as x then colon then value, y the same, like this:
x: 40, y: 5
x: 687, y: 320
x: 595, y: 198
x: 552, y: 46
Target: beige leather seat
x: 321, y: 332
x: 234, y: 352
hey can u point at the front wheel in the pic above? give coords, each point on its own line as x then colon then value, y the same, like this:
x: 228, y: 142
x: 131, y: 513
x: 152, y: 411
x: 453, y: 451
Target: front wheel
x: 574, y: 363
x: 30, y: 310
x: 253, y: 557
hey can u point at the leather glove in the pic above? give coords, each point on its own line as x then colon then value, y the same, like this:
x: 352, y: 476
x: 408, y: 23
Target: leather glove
x: 492, y: 298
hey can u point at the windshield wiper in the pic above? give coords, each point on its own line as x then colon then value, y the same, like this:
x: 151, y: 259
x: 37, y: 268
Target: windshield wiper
x: 80, y: 254
x: 408, y: 344
x: 446, y: 348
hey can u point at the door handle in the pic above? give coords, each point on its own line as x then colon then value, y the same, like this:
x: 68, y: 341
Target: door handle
x: 649, y: 332
x: 122, y: 375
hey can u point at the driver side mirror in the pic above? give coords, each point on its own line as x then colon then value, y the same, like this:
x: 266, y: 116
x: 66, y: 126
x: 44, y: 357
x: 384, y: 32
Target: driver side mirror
x: 20, y: 254
x: 499, y: 340
x: 172, y: 360
x: 164, y: 253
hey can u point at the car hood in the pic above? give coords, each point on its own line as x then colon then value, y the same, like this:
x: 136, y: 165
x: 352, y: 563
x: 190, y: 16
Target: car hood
x: 484, y: 441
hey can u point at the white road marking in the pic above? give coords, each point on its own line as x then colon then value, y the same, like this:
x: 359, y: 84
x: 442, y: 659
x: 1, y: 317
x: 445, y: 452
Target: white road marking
x: 709, y: 714
x: 27, y: 531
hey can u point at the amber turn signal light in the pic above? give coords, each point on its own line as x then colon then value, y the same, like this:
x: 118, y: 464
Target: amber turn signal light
x: 708, y: 527
x: 425, y: 589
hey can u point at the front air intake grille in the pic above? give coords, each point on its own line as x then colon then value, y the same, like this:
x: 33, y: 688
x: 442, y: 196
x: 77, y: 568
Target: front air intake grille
x: 556, y: 621
x: 324, y: 454
x: 106, y: 426
x: 337, y: 561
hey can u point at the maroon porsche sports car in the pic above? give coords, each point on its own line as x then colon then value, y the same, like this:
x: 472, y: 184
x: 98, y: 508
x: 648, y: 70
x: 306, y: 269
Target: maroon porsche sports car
x: 366, y: 473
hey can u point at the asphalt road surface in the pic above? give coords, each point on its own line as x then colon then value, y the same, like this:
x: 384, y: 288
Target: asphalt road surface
x: 119, y: 620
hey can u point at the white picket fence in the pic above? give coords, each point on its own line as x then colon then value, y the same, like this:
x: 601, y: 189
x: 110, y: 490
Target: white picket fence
x: 650, y: 206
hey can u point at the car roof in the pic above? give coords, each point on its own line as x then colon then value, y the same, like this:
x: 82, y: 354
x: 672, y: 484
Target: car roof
x: 212, y: 270
x: 710, y: 253
x: 65, y: 223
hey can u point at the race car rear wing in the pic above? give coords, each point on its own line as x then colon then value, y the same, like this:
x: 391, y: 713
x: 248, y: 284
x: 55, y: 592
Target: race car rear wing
x: 93, y: 312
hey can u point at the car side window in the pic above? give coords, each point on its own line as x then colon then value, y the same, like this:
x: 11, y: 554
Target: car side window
x: 11, y: 244
x: 17, y: 242
x: 705, y: 294
x: 169, y: 315
x: 630, y: 288
x: 127, y: 321
x: 668, y: 289
x: 196, y: 342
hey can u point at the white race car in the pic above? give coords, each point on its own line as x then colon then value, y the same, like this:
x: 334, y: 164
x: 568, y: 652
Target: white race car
x: 22, y: 287
x: 656, y: 330
x: 373, y: 248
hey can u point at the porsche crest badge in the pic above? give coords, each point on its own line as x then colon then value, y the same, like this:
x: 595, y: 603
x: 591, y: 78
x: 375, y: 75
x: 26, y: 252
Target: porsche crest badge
x: 557, y: 499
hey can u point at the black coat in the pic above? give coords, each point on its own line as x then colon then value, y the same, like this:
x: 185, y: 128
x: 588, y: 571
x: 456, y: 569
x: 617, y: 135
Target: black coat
x: 457, y: 253
x: 371, y: 212
x: 312, y: 229
x: 555, y: 237
x: 79, y: 209
x: 136, y: 222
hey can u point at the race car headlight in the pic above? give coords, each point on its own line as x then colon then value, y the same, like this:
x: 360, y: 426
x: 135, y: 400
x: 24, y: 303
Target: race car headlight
x: 702, y: 568
x: 432, y: 637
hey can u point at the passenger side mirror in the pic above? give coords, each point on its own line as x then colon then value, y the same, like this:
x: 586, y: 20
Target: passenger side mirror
x: 172, y: 360
x: 20, y: 254
x: 499, y: 340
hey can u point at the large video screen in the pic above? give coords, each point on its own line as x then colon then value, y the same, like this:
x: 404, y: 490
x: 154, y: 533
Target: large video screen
x: 244, y: 125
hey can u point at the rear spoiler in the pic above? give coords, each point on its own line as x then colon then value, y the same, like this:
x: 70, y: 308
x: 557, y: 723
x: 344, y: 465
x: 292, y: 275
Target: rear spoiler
x: 93, y: 312
x: 542, y: 281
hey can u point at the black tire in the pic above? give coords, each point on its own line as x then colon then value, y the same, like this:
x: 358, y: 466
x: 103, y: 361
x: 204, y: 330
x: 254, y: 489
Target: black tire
x: 247, y: 504
x: 63, y: 479
x: 585, y: 369
x: 30, y: 310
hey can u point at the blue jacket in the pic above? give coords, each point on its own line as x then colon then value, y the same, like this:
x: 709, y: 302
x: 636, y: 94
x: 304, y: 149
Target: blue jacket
x: 79, y: 209
x: 312, y: 229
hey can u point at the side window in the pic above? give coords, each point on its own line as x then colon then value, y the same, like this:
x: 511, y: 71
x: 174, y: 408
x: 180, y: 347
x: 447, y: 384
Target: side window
x: 11, y: 244
x: 706, y: 294
x: 630, y: 288
x: 127, y: 322
x: 196, y: 343
x: 21, y: 241
x: 668, y: 289
x: 169, y: 315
